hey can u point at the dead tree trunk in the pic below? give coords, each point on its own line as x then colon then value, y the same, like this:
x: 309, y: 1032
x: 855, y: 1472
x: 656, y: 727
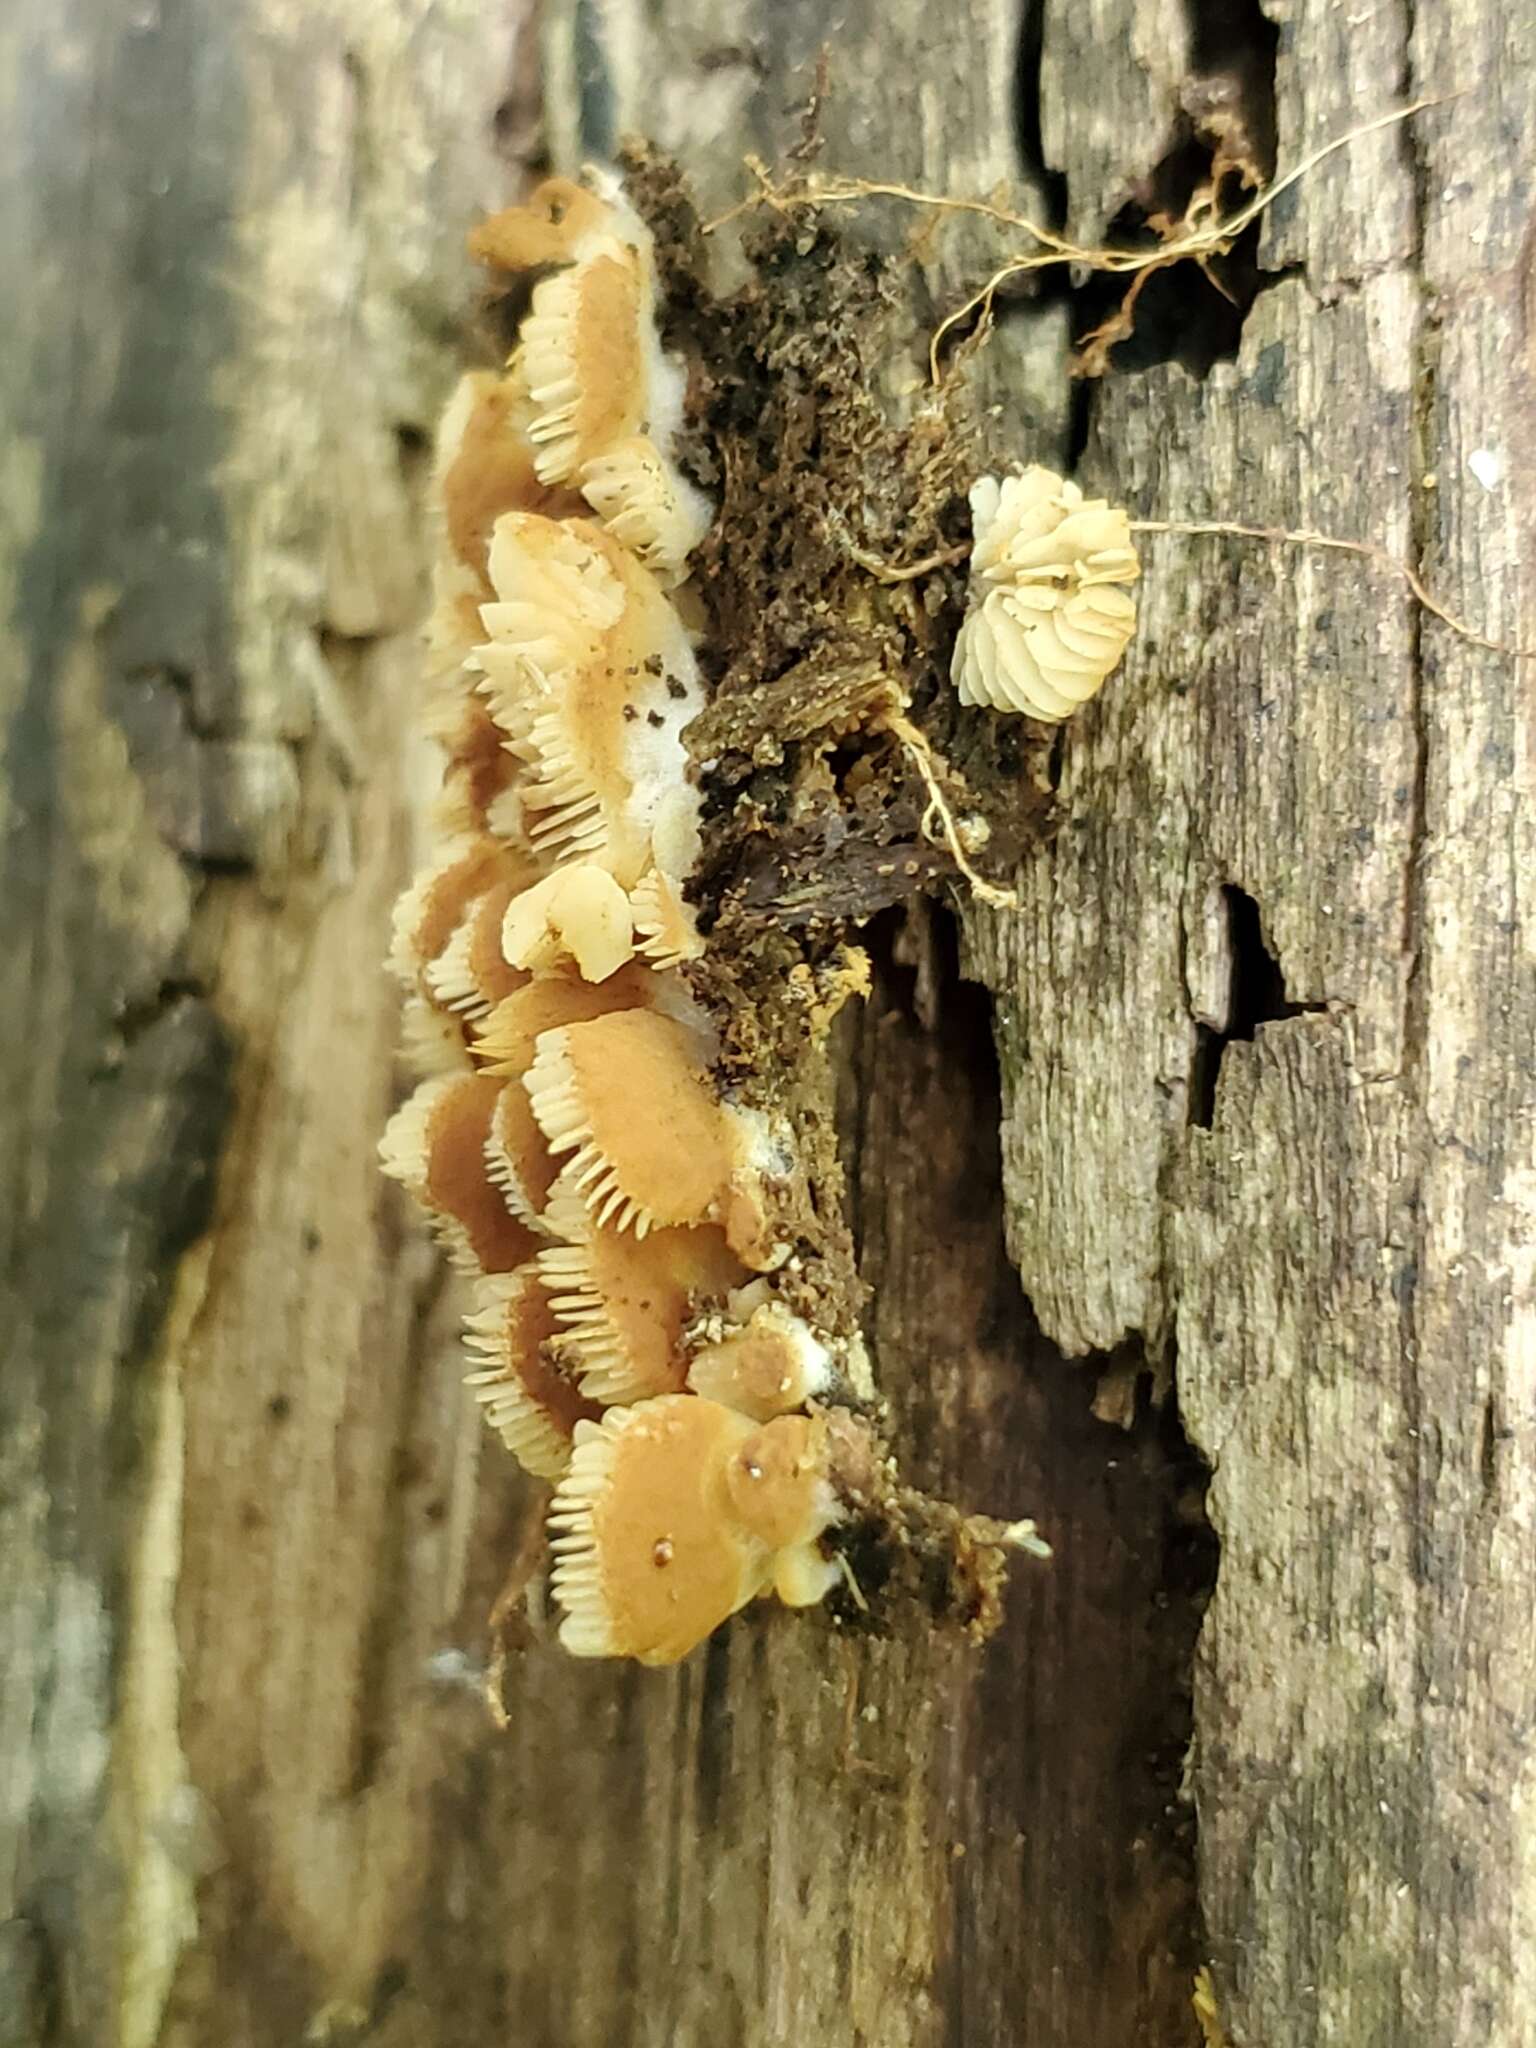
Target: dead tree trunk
x: 1263, y: 1078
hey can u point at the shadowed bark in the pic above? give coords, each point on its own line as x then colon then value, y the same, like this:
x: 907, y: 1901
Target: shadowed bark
x: 1237, y: 1105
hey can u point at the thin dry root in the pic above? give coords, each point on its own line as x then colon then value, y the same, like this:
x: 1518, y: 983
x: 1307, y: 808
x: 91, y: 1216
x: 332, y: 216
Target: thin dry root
x: 920, y: 754
x: 888, y: 572
x: 1211, y: 237
x: 508, y: 1625
x: 1368, y: 551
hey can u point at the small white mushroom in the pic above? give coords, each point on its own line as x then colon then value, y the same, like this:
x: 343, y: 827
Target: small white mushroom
x: 1050, y: 613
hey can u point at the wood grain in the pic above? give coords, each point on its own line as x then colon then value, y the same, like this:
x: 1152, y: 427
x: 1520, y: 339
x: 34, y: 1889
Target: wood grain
x: 1338, y: 1261
x: 1262, y: 1078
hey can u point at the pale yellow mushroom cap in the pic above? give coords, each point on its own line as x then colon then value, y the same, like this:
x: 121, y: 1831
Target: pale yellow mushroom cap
x: 625, y: 1301
x: 1050, y: 615
x: 649, y: 1558
x: 429, y: 912
x: 589, y: 671
x: 481, y: 774
x: 485, y: 465
x: 432, y: 1042
x: 435, y: 1145
x: 603, y: 399
x: 773, y: 1364
x: 558, y: 591
x: 778, y: 1484
x: 664, y: 921
x: 625, y: 1095
x: 579, y: 914
x: 665, y: 925
x: 517, y: 1157
x: 647, y: 505
x: 483, y: 468
x: 525, y: 1396
x: 585, y: 357
x: 471, y: 975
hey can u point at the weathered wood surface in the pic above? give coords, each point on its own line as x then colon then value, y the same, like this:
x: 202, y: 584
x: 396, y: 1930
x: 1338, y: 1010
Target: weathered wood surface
x: 248, y: 1792
x: 1341, y: 1260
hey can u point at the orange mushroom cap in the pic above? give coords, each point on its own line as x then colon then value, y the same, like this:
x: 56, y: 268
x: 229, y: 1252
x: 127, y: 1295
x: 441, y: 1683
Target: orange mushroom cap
x: 675, y: 1513
x: 777, y: 1482
x: 472, y: 974
x: 591, y: 674
x: 517, y: 1157
x: 648, y: 1557
x: 482, y: 775
x: 647, y: 505
x: 509, y: 1037
x: 626, y: 1301
x: 525, y: 1396
x: 549, y: 227
x: 485, y: 464
x: 673, y: 1163
x: 437, y: 901
x: 435, y: 1145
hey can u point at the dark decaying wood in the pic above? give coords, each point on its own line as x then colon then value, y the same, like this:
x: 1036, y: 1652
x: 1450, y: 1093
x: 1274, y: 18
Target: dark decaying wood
x: 1263, y: 1028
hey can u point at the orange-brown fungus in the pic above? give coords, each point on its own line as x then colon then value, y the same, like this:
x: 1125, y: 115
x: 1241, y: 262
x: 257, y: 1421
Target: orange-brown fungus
x: 648, y: 1558
x: 777, y: 1481
x: 626, y: 1301
x: 525, y: 1395
x: 490, y: 973
x: 517, y: 1156
x: 456, y: 1182
x: 628, y: 940
x: 479, y: 771
x: 510, y: 1034
x: 609, y: 364
x: 545, y: 230
x: 670, y: 1165
x: 493, y: 471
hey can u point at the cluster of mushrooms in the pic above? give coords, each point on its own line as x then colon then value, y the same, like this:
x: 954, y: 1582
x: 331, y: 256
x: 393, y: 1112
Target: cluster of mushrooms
x: 569, y: 1140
